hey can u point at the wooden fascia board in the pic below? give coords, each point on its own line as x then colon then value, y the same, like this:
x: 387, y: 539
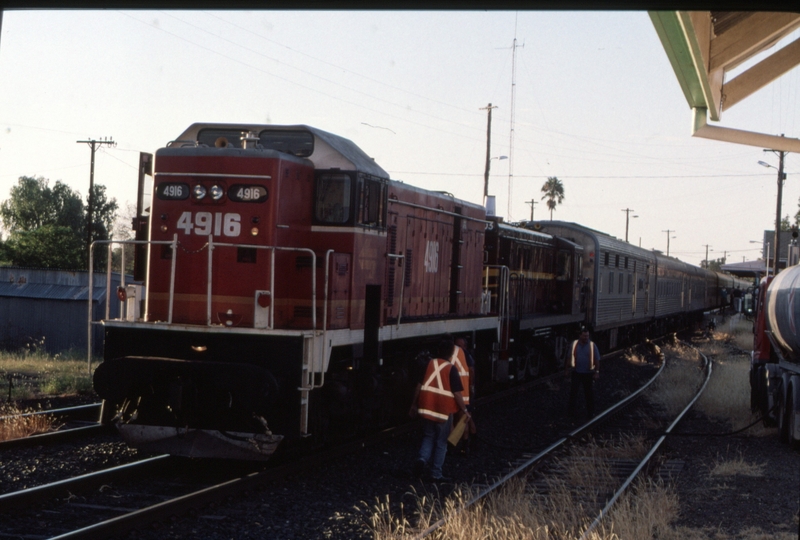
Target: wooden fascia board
x: 750, y: 37
x: 761, y: 74
x: 674, y: 38
x: 700, y: 29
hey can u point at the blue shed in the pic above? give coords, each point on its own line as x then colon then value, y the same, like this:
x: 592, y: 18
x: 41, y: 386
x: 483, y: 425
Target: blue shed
x: 39, y: 303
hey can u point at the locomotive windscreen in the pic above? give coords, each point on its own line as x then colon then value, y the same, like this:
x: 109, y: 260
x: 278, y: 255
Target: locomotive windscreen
x: 296, y: 143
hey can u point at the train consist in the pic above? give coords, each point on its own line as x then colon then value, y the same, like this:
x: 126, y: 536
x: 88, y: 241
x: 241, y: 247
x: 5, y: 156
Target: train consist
x: 291, y: 284
x: 775, y: 365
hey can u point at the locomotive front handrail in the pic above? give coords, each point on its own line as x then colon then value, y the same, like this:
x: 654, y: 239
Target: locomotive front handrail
x: 211, y: 245
x: 273, y: 249
x: 173, y: 244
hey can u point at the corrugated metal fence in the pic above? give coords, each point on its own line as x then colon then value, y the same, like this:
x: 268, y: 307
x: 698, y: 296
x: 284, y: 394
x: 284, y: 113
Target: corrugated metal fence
x: 37, y: 304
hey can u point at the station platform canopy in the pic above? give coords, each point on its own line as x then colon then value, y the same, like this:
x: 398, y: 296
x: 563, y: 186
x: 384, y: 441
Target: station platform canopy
x: 754, y: 269
x: 706, y: 47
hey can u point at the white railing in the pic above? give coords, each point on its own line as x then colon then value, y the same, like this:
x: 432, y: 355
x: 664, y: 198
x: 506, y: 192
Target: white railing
x: 316, y: 357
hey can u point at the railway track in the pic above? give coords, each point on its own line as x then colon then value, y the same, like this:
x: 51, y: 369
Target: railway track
x: 112, y: 503
x: 610, y: 477
x: 118, y: 493
x: 78, y: 421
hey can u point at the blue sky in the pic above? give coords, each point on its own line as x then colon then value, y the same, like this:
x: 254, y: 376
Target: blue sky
x: 596, y: 104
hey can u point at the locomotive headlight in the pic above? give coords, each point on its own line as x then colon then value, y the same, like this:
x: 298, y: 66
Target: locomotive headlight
x: 199, y: 192
x: 163, y: 228
x: 216, y: 192
x: 254, y: 231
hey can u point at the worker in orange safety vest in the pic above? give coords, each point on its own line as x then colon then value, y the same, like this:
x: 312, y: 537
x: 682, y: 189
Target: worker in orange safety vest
x: 438, y: 395
x: 465, y: 364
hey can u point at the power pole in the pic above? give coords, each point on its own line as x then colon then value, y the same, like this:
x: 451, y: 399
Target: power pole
x: 532, y: 202
x: 777, y: 250
x: 668, y: 231
x: 707, y: 245
x: 627, y: 220
x: 94, y: 144
x: 488, y: 151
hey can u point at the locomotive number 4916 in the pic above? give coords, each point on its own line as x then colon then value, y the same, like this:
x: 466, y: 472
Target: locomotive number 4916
x: 204, y: 223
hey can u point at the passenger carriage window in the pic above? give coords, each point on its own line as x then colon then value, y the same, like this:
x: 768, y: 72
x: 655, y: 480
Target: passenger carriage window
x: 610, y: 282
x: 606, y: 261
x: 600, y: 284
x: 332, y: 204
x: 616, y: 261
x: 621, y: 278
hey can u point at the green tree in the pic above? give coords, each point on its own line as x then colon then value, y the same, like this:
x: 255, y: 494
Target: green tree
x: 47, y: 225
x: 33, y: 204
x: 553, y: 191
x: 49, y: 246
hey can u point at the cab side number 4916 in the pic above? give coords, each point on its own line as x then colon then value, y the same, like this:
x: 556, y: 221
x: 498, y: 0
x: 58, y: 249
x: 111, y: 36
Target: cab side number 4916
x: 204, y: 223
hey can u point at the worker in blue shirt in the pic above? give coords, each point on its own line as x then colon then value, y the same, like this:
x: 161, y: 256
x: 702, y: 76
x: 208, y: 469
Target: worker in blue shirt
x: 584, y: 364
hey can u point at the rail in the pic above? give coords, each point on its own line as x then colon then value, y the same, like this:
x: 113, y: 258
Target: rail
x: 604, y: 512
x: 520, y: 468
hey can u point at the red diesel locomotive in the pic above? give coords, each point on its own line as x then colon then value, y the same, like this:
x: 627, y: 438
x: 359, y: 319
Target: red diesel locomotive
x: 289, y: 284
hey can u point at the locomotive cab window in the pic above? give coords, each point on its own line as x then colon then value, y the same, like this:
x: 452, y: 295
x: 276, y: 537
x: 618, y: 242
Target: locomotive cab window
x: 373, y: 203
x: 332, y: 201
x: 563, y: 266
x: 296, y: 143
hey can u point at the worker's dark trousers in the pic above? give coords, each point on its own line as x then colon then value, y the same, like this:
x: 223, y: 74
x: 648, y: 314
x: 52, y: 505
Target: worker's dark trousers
x: 587, y: 381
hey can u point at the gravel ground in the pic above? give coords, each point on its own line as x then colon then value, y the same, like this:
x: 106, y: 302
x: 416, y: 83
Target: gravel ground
x: 336, y: 501
x: 737, y: 506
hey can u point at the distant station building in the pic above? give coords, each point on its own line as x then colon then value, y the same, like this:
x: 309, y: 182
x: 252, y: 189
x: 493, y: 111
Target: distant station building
x: 49, y: 308
x: 789, y: 253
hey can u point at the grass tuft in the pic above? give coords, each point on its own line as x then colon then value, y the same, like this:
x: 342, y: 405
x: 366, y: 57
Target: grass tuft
x: 32, y: 373
x: 13, y: 426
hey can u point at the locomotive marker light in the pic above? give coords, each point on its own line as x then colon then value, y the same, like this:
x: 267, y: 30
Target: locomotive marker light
x: 199, y: 192
x: 216, y: 192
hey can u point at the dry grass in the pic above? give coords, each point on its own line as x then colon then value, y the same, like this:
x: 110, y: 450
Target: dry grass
x: 17, y: 427
x: 649, y: 509
x: 519, y: 512
x: 32, y: 373
x: 736, y: 467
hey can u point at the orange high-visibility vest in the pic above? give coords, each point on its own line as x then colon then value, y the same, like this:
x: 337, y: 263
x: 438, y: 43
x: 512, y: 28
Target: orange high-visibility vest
x: 436, y: 401
x: 592, y: 364
x: 459, y: 361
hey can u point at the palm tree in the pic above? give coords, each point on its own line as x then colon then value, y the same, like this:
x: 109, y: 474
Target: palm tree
x: 553, y: 191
